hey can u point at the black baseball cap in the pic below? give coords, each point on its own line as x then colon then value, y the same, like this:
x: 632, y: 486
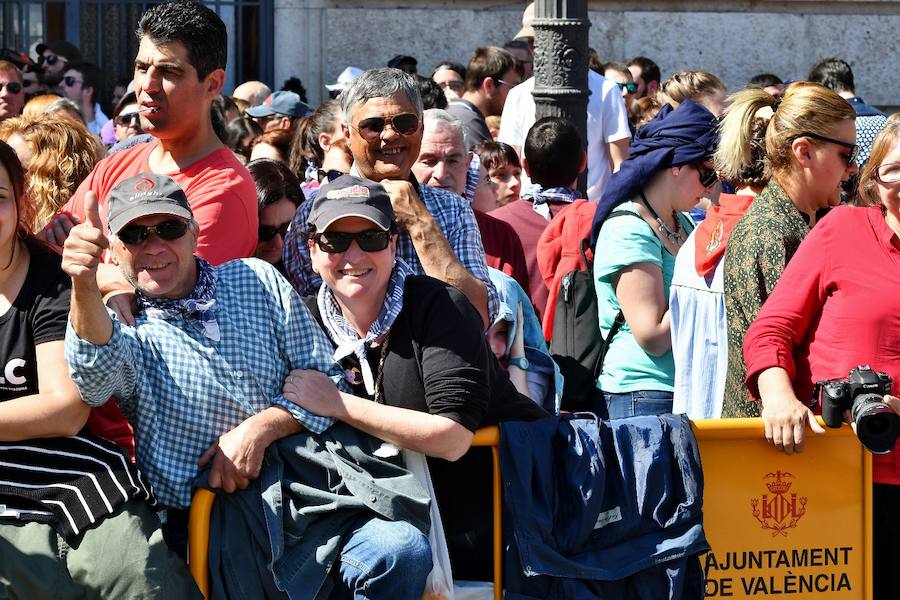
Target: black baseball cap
x: 145, y: 194
x: 349, y: 196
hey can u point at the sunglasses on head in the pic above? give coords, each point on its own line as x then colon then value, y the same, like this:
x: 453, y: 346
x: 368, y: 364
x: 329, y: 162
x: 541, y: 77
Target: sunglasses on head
x: 335, y: 242
x: 14, y: 87
x: 124, y: 120
x: 630, y: 86
x: 167, y: 230
x: 268, y: 232
x: 404, y: 124
x: 851, y: 158
x: 708, y: 177
x: 70, y: 80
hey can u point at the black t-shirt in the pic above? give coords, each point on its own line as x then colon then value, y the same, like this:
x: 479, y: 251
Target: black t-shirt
x: 439, y: 362
x: 38, y: 315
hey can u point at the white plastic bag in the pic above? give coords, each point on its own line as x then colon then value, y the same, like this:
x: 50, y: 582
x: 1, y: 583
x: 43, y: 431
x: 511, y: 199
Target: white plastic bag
x: 440, y: 582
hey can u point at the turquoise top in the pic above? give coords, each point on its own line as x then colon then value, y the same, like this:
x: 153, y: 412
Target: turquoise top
x: 625, y: 241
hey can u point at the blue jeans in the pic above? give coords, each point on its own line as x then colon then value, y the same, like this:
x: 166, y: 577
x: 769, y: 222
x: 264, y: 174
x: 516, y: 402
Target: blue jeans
x: 637, y: 404
x: 383, y: 559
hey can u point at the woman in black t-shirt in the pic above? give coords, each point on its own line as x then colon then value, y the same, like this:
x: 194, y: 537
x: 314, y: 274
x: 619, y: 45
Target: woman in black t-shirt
x: 415, y: 346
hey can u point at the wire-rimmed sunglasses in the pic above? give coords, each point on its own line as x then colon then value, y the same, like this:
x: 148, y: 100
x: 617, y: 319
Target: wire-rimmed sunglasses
x: 167, y: 230
x: 14, y: 87
x: 404, y: 124
x: 335, y: 242
x: 126, y: 119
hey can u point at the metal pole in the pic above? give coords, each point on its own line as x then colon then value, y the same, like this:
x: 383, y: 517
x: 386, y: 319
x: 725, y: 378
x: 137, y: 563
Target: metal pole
x: 560, y: 63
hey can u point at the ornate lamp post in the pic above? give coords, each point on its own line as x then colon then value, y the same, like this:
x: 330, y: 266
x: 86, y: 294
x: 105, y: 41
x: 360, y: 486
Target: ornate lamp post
x: 560, y: 62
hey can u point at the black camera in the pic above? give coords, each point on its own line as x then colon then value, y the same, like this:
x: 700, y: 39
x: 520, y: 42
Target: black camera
x: 877, y: 425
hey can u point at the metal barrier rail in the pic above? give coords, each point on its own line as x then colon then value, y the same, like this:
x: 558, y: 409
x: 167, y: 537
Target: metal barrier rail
x: 201, y: 507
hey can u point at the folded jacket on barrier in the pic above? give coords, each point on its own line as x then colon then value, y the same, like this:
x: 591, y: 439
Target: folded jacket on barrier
x: 603, y: 509
x: 279, y: 537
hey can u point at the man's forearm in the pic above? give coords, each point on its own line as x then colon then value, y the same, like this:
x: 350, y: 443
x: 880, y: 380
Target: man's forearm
x: 275, y: 423
x: 440, y: 262
x: 88, y: 314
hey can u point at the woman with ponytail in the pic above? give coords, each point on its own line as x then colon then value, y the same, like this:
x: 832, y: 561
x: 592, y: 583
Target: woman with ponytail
x: 810, y: 151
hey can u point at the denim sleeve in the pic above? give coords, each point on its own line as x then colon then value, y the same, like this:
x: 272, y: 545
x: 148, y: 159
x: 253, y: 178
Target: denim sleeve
x: 101, y: 372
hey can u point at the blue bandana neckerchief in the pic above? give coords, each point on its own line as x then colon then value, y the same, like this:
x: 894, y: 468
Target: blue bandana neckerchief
x: 196, y: 309
x: 344, y: 335
x: 541, y: 198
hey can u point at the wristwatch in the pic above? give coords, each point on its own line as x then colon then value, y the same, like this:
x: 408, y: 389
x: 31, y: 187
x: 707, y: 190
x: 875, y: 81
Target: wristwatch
x: 520, y: 362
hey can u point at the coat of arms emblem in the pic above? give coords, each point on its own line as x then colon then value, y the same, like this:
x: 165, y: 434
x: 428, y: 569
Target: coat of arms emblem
x: 780, y: 509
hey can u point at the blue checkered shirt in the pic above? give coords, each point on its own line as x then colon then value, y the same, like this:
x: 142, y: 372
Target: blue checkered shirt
x: 453, y: 215
x: 180, y: 390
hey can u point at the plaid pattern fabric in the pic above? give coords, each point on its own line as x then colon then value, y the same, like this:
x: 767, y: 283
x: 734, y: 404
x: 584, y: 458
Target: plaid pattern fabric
x: 181, y: 390
x: 453, y: 215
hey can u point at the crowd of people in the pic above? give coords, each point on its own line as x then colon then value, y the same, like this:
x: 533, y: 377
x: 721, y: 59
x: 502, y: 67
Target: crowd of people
x: 314, y: 308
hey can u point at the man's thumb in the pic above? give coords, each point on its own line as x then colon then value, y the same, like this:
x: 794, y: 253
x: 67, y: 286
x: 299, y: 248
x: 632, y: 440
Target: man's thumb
x: 92, y: 210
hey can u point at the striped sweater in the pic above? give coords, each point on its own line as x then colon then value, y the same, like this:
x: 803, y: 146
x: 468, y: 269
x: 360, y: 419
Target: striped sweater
x: 72, y: 483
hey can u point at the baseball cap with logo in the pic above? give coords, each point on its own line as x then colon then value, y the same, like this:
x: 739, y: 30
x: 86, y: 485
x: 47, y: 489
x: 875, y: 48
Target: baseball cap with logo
x: 349, y: 196
x: 284, y: 103
x: 145, y: 194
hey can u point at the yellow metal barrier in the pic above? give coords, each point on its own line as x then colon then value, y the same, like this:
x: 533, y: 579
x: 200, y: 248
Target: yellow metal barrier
x: 201, y: 506
x: 797, y: 525
x: 793, y: 526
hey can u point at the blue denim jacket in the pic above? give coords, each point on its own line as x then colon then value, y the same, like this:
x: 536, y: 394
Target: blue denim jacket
x: 542, y: 368
x: 609, y: 509
x: 279, y: 537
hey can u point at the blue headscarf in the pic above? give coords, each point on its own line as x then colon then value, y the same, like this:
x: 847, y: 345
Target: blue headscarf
x: 674, y: 137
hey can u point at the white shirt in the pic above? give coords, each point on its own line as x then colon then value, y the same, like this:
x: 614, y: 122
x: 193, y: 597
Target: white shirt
x: 99, y: 120
x: 699, y: 336
x: 607, y: 121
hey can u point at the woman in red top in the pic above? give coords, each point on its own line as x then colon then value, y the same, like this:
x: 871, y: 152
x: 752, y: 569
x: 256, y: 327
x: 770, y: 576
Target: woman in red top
x: 839, y: 308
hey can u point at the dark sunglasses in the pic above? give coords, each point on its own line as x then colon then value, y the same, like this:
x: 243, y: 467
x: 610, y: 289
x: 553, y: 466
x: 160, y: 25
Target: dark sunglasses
x: 708, y: 177
x: 268, y: 232
x: 71, y: 80
x: 335, y: 242
x: 14, y: 87
x: 455, y: 85
x: 27, y: 83
x: 128, y: 119
x: 49, y: 59
x: 851, y: 158
x: 329, y: 175
x: 167, y: 230
x: 404, y: 124
x: 630, y: 86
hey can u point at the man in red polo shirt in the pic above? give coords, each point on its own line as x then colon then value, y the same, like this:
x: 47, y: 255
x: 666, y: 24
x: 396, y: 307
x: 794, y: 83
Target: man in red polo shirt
x: 179, y: 70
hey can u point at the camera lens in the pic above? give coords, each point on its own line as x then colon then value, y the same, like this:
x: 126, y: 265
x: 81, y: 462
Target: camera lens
x: 877, y: 425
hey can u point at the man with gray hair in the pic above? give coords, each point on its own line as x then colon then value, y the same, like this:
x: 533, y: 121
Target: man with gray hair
x: 444, y: 163
x: 439, y: 235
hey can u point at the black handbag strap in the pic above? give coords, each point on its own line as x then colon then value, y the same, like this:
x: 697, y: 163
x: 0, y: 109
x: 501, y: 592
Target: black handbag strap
x: 620, y: 318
